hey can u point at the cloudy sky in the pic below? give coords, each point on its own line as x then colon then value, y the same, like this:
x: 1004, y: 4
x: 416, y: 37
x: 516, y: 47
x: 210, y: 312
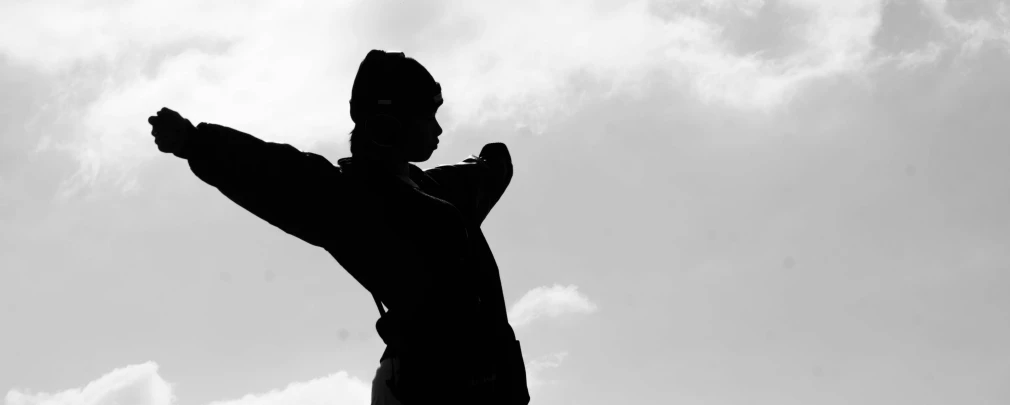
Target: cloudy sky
x: 714, y: 202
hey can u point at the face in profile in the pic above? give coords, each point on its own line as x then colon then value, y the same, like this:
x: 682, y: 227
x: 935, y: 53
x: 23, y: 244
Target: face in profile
x: 422, y: 138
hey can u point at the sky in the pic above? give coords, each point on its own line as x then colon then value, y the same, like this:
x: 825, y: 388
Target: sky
x: 714, y: 202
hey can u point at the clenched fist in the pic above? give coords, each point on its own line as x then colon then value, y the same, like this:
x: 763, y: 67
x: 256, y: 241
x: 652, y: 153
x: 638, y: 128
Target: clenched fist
x: 170, y: 130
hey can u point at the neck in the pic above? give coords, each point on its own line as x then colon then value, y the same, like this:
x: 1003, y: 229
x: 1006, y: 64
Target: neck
x: 391, y: 166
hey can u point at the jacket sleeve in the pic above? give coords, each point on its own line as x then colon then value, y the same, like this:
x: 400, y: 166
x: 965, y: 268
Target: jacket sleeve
x: 477, y: 183
x: 295, y: 191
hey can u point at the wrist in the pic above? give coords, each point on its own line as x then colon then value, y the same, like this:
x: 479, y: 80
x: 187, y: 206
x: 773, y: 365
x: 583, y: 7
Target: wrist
x: 184, y: 150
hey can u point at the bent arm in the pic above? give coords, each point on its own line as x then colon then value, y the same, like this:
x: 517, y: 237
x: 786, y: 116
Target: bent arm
x: 477, y: 183
x: 293, y: 190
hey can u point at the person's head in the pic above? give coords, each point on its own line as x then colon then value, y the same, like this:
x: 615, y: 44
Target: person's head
x: 393, y: 104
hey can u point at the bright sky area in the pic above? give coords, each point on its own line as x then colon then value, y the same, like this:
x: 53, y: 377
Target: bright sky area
x: 714, y: 202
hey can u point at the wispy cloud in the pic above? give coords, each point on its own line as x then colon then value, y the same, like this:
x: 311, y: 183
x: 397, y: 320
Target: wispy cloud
x: 336, y: 388
x: 535, y: 368
x: 550, y: 302
x: 990, y: 24
x: 137, y: 384
x: 140, y: 384
x: 283, y: 70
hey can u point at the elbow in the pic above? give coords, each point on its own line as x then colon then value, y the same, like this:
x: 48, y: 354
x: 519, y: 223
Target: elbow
x: 506, y: 167
x: 508, y: 172
x: 496, y: 151
x: 498, y: 155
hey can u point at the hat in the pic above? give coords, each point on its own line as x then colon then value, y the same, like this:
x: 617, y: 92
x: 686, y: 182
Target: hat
x: 391, y: 83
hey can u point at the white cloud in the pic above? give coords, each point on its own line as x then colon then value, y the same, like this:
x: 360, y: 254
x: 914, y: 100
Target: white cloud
x: 535, y: 368
x: 336, y: 388
x: 972, y: 33
x: 748, y: 7
x: 920, y: 57
x: 135, y: 385
x: 549, y: 301
x: 286, y: 70
x: 141, y: 385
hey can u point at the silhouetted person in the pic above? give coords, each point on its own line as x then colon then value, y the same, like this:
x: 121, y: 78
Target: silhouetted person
x: 411, y: 237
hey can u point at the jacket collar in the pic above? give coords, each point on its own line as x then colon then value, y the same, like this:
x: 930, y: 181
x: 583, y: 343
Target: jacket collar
x: 363, y: 168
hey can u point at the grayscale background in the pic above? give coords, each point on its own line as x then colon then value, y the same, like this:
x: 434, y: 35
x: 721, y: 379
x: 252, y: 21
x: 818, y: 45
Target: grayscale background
x: 714, y: 201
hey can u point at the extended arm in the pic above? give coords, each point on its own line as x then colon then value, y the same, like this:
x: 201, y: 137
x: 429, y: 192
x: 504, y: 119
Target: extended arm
x: 477, y: 183
x: 295, y: 191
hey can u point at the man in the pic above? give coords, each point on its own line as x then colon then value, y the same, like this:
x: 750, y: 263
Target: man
x: 411, y: 237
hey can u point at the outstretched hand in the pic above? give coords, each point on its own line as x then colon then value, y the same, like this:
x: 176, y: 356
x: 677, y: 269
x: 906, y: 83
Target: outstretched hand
x: 170, y: 130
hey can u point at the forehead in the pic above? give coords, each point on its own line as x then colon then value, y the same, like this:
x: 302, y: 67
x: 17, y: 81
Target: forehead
x: 424, y: 106
x: 430, y: 108
x: 437, y: 98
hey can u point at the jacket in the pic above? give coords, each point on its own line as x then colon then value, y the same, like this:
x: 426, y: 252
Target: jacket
x: 420, y: 251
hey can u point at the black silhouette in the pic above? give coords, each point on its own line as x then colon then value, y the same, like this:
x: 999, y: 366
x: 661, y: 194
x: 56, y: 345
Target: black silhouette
x: 411, y: 237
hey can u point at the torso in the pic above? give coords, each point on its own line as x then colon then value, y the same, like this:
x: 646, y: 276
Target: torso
x: 428, y: 227
x: 403, y: 206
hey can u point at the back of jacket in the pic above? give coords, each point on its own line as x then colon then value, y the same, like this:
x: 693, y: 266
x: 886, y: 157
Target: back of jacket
x: 420, y: 251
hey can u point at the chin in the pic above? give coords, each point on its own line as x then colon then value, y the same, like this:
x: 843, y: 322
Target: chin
x: 421, y: 157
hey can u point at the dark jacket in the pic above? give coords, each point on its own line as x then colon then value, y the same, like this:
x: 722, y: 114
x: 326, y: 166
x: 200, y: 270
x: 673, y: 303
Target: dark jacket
x: 421, y: 252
